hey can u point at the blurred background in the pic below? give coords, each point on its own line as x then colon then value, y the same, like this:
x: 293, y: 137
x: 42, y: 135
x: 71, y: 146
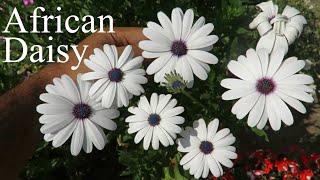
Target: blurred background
x: 121, y: 158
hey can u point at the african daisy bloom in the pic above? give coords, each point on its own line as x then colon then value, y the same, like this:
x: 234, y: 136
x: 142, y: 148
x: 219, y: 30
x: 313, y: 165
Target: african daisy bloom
x: 68, y: 110
x: 206, y: 148
x: 117, y: 78
x: 277, y: 30
x: 155, y: 121
x: 265, y: 86
x: 179, y: 44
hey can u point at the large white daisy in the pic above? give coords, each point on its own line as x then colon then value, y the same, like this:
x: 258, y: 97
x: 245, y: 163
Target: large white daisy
x: 179, y: 45
x: 117, y: 78
x: 277, y: 30
x: 68, y: 110
x: 266, y: 85
x: 206, y: 148
x: 155, y: 121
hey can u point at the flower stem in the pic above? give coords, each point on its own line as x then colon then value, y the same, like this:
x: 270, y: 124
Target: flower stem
x: 188, y: 95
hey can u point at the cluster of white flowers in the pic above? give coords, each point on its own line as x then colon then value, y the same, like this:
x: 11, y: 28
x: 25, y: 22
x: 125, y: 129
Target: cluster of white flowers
x: 265, y: 85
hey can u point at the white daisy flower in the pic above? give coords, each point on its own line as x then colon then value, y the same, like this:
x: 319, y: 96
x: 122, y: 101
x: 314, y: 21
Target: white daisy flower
x: 179, y: 45
x: 277, y: 30
x: 206, y: 148
x: 266, y: 85
x: 156, y: 121
x: 68, y: 110
x: 117, y: 79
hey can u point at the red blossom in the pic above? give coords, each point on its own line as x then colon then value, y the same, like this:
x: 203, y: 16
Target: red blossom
x: 306, y: 174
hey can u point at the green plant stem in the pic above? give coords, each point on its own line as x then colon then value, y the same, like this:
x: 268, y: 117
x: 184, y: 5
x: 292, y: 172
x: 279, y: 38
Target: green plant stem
x: 194, y: 100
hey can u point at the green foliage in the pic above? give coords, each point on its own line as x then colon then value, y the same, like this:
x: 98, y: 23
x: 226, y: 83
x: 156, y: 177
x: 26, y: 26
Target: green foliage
x: 122, y: 157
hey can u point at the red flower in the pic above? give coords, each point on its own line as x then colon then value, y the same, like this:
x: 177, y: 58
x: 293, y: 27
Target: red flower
x: 282, y: 166
x: 288, y: 176
x: 306, y: 174
x: 294, y: 167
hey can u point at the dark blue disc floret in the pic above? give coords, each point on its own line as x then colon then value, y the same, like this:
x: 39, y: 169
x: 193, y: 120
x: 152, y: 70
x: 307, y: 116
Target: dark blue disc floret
x: 115, y: 75
x: 81, y: 111
x: 154, y: 119
x: 206, y: 147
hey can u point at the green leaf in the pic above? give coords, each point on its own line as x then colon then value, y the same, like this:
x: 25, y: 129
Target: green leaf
x: 260, y: 133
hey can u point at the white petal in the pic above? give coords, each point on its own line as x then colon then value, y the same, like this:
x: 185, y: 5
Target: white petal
x: 55, y: 122
x: 276, y: 58
x: 202, y: 32
x: 297, y: 79
x: 152, y: 46
x: 267, y: 41
x: 288, y: 69
x: 71, y: 89
x: 109, y: 95
x: 202, y: 42
x: 203, y: 56
x: 166, y: 24
x: 274, y: 120
x: 124, y: 56
x: 240, y: 71
x: 198, y: 24
x: 176, y: 23
x: 220, y: 135
x: 256, y: 112
x: 147, y: 139
x: 54, y: 109
x: 197, y: 69
x: 140, y: 135
x: 101, y: 120
x: 232, y: 83
x: 213, y: 166
x: 95, y: 135
x: 253, y: 63
x: 159, y: 63
x: 223, y: 160
x: 161, y: 136
x: 212, y: 129
x: 172, y: 112
x: 97, y: 85
x: 237, y: 93
x: 93, y: 76
x: 154, y: 102
x: 110, y: 55
x: 77, y: 139
x: 187, y: 23
x: 134, y: 63
x: 55, y: 99
x: 189, y: 156
x: 137, y: 126
x: 156, y: 36
x: 285, y: 113
x: 296, y: 104
x: 264, y: 60
x: 201, y: 128
x: 62, y: 136
x: 163, y: 101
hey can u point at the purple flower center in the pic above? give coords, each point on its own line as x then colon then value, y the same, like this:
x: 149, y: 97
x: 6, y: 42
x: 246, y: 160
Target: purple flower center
x: 154, y: 119
x: 115, y: 75
x: 81, y: 111
x: 265, y: 86
x: 177, y: 84
x: 179, y: 48
x: 206, y: 147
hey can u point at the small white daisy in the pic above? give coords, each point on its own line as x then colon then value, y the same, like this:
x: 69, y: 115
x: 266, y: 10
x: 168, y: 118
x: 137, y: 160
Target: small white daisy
x: 206, y: 148
x: 117, y: 79
x: 68, y: 110
x: 277, y: 30
x: 266, y: 85
x: 156, y: 121
x: 179, y: 45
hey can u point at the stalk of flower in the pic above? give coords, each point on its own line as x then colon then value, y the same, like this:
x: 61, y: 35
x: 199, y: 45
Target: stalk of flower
x: 68, y: 110
x: 206, y: 149
x: 155, y: 121
x: 117, y: 79
x: 277, y: 30
x: 265, y: 87
x: 179, y: 45
x: 175, y: 84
